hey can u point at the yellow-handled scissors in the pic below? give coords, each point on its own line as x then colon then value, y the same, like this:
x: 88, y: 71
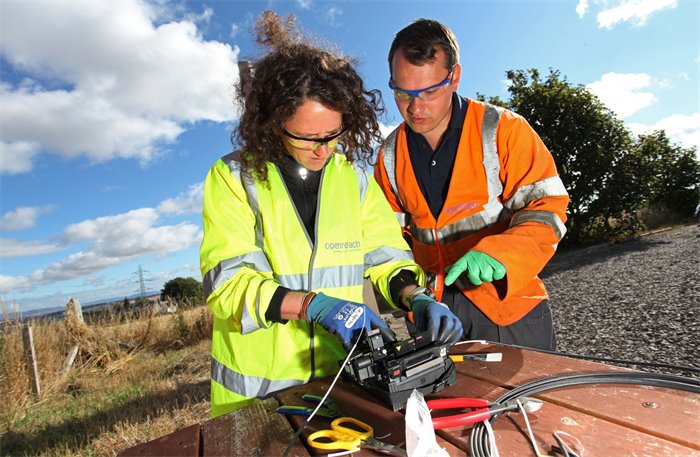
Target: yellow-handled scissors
x: 340, y: 436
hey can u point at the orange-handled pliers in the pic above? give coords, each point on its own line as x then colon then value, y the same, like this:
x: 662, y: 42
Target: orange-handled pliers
x: 484, y: 410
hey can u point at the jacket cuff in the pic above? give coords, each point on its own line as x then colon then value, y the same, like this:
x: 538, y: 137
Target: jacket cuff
x: 400, y: 280
x: 274, y: 309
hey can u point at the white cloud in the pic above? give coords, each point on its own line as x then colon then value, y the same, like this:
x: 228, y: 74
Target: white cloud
x: 114, y: 83
x: 582, y: 7
x: 15, y: 284
x: 612, y: 13
x: 110, y: 240
x: 621, y: 92
x: 186, y: 203
x: 683, y: 129
x: 235, y: 30
x: 72, y: 124
x: 304, y: 4
x: 23, y: 218
x: 16, y: 157
x: 132, y: 234
x: 23, y: 248
x: 332, y: 14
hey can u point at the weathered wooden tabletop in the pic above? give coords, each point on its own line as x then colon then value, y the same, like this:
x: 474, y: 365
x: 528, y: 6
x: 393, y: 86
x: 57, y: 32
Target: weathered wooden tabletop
x: 607, y: 419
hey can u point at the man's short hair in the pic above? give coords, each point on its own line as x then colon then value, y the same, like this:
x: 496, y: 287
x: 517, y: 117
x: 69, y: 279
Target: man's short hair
x: 420, y: 41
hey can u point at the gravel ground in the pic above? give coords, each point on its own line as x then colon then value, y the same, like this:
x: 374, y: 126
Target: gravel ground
x: 638, y: 300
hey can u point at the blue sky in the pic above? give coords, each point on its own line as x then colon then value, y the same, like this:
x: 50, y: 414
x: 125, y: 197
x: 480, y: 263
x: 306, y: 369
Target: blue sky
x: 111, y: 112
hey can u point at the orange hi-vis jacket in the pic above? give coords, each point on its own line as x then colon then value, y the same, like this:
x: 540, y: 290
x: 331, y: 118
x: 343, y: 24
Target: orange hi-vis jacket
x: 505, y: 199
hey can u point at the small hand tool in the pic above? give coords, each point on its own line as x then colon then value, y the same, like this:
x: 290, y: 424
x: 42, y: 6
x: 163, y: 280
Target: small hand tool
x: 488, y: 357
x: 485, y: 410
x: 329, y: 409
x: 340, y: 436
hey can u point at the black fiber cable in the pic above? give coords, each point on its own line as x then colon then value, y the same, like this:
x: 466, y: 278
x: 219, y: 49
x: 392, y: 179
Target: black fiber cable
x: 611, y: 377
x: 687, y: 368
x: 478, y: 440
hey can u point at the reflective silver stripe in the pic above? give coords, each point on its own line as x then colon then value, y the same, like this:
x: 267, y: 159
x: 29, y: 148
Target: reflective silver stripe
x: 324, y: 278
x: 548, y: 187
x: 248, y: 323
x: 456, y: 231
x: 403, y: 218
x: 340, y: 276
x: 249, y: 386
x: 423, y: 235
x: 544, y: 217
x: 389, y: 149
x: 226, y: 269
x: 294, y: 282
x: 232, y: 160
x: 362, y: 180
x: 492, y: 167
x: 385, y: 254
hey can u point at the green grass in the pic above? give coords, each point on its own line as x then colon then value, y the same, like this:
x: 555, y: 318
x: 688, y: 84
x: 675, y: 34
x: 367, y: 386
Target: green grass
x: 102, y: 409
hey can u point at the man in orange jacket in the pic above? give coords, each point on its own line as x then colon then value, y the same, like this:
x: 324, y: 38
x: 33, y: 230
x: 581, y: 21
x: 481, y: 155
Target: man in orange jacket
x: 476, y: 191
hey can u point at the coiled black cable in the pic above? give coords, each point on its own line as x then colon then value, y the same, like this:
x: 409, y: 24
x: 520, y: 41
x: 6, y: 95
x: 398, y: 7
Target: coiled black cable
x: 478, y: 440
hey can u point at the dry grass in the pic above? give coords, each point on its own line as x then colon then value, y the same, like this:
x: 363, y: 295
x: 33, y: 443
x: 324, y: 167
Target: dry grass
x: 131, y: 382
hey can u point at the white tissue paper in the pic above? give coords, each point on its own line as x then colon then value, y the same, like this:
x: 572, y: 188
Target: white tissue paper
x: 420, y: 436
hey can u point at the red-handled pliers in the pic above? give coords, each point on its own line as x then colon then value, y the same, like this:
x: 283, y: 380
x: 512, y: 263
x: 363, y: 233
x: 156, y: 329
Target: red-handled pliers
x: 485, y: 410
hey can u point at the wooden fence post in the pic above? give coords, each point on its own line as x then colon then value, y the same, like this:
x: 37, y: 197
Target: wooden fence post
x: 30, y: 357
x: 78, y: 310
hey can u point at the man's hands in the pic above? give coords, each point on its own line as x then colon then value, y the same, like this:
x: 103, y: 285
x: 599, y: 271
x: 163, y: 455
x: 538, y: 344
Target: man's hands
x: 479, y: 267
x: 435, y: 317
x: 346, y: 319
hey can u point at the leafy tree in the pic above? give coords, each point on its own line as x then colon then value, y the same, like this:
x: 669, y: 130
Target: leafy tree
x: 183, y: 290
x: 670, y: 175
x: 591, y: 147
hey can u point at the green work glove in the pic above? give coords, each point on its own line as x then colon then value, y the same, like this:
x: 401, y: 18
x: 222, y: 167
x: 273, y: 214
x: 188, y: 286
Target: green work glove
x: 478, y: 266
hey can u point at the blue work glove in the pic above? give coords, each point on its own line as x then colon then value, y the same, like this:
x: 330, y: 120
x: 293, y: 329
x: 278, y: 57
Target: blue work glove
x: 479, y: 267
x: 346, y: 319
x: 435, y: 317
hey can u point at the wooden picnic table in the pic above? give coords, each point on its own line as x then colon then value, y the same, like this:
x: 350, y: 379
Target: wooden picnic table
x: 606, y: 419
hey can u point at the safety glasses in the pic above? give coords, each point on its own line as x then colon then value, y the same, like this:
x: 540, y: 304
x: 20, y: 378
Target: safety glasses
x: 311, y: 144
x: 427, y: 94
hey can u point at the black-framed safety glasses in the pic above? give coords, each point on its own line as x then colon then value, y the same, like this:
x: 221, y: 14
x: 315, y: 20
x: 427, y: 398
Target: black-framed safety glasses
x: 313, y: 143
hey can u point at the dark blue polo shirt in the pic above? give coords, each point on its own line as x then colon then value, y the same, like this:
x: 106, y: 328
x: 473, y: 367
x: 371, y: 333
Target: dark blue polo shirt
x: 433, y: 169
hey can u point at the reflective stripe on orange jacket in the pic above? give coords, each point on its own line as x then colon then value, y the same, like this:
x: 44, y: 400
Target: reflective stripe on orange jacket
x: 505, y: 199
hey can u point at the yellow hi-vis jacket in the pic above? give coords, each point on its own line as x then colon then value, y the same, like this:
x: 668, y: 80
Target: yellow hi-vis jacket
x: 254, y: 242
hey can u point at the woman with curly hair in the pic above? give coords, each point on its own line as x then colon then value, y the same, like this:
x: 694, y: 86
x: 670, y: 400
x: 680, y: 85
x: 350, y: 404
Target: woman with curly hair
x: 292, y: 226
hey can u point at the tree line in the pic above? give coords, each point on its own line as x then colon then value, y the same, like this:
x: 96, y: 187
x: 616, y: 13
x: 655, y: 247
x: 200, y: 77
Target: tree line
x: 619, y: 183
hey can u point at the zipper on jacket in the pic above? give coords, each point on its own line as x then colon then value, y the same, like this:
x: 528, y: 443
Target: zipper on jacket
x: 314, y: 246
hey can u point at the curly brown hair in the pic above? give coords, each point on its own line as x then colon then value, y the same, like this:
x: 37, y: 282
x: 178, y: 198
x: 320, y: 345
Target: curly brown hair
x: 292, y: 72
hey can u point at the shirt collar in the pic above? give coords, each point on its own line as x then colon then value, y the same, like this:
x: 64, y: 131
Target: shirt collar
x: 459, y: 111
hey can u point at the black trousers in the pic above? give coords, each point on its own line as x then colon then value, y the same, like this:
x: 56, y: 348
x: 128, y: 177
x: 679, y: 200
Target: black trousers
x: 534, y: 330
